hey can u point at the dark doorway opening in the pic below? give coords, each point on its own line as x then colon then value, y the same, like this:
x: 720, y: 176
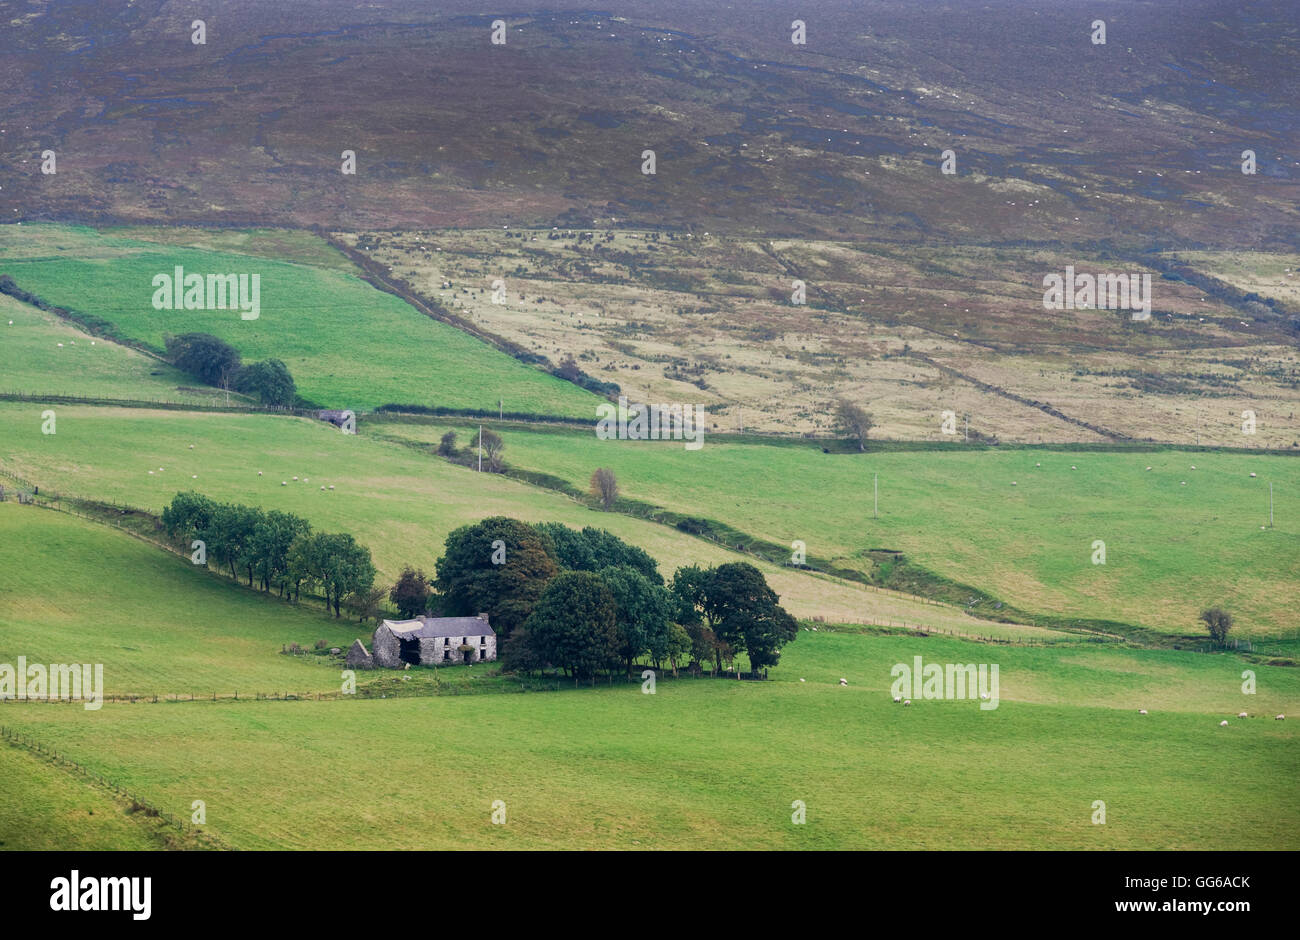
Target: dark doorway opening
x: 410, y: 652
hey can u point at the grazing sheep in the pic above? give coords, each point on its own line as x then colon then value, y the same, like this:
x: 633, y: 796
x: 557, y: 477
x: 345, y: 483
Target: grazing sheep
x: 985, y: 696
x: 284, y: 482
x: 160, y: 469
x: 1241, y: 714
x: 898, y: 698
x: 844, y: 682
x: 322, y: 489
x: 1193, y: 466
x: 1142, y: 711
x: 331, y: 486
x: 1038, y: 465
x: 1183, y: 483
x: 1148, y: 468
x: 1252, y: 476
x: 907, y: 701
x: 194, y: 476
x: 1223, y: 724
x: 295, y: 479
x: 150, y: 473
x: 803, y: 680
x: 1013, y: 482
x: 259, y: 473
x: 191, y: 447
x: 1073, y: 467
x: 1280, y: 718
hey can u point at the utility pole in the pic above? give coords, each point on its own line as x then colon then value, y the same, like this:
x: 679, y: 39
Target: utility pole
x: 480, y: 448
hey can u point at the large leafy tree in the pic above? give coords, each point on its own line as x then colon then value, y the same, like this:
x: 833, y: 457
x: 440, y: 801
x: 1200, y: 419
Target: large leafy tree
x: 212, y: 360
x: 574, y: 625
x: 189, y: 516
x: 503, y: 580
x: 410, y: 595
x: 269, y: 546
x: 744, y: 613
x: 269, y: 380
x: 569, y: 547
x: 595, y: 549
x: 642, y: 615
x: 855, y: 421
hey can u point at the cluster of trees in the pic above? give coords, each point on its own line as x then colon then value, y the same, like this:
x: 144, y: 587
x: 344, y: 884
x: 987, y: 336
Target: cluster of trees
x: 275, y: 549
x: 488, y: 443
x: 215, y: 362
x: 586, y: 601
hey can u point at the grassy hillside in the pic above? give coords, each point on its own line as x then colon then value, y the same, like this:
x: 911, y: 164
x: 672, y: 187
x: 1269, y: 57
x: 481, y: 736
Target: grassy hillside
x: 347, y: 344
x: 1171, y: 549
x: 396, y: 501
x: 43, y: 354
x: 610, y: 767
x: 75, y: 592
x: 44, y: 808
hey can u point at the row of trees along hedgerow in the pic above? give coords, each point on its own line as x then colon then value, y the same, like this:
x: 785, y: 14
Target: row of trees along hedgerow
x: 276, y: 549
x: 586, y: 602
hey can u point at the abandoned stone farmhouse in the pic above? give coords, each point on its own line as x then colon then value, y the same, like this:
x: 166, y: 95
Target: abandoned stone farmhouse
x: 426, y: 641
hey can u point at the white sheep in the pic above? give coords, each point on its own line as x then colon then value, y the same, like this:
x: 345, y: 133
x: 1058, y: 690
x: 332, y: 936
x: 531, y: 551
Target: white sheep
x: 1072, y: 467
x: 898, y: 698
x: 1241, y: 714
x: 1013, y: 482
x: 1280, y: 718
x: 1223, y: 724
x: 803, y: 680
x: 1252, y: 476
x: 907, y: 701
x: 191, y: 447
x: 1148, y: 468
x: 194, y: 476
x: 284, y: 482
x: 1183, y: 483
x: 1142, y: 711
x: 985, y: 696
x: 322, y: 489
x: 331, y: 486
x: 1193, y: 466
x: 844, y: 682
x: 295, y: 479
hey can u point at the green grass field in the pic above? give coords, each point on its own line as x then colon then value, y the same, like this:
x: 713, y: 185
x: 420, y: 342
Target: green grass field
x: 347, y: 344
x: 75, y: 592
x: 43, y: 354
x: 1171, y: 550
x: 398, y: 502
x: 43, y: 807
x: 703, y: 763
x: 717, y: 763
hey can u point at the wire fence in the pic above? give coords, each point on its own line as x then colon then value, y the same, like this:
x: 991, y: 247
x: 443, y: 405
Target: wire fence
x: 137, y: 804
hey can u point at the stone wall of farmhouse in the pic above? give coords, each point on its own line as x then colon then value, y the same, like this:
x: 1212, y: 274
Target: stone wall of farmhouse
x: 433, y: 649
x: 386, y: 649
